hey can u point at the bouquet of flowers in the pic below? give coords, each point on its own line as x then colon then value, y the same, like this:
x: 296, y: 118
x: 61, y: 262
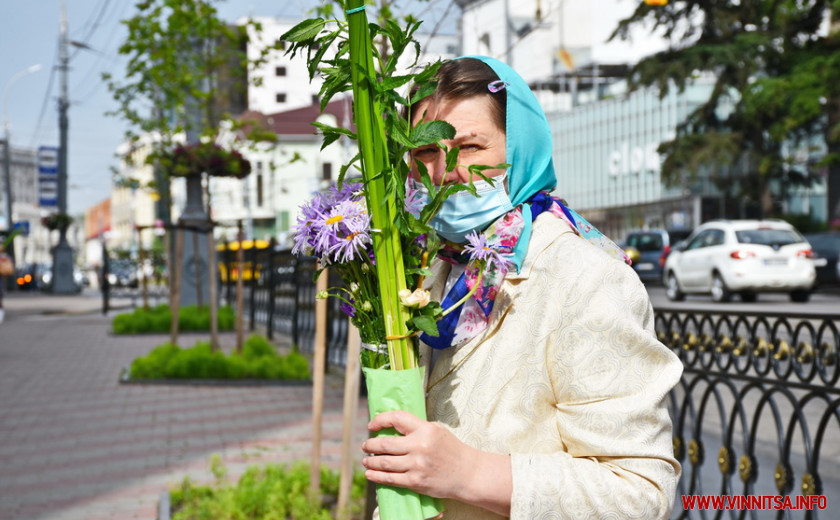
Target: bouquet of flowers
x: 375, y: 230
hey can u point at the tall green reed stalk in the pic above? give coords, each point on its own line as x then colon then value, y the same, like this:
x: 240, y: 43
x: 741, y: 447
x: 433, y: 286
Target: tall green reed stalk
x: 375, y: 166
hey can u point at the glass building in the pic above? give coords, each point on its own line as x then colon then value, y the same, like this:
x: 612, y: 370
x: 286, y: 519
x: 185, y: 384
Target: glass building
x: 608, y: 167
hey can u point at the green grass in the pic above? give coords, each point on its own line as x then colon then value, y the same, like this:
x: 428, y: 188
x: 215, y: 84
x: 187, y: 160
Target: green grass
x: 159, y: 319
x: 259, y: 360
x: 270, y: 492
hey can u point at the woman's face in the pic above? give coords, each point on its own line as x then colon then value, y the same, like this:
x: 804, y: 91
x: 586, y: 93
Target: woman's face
x: 480, y: 140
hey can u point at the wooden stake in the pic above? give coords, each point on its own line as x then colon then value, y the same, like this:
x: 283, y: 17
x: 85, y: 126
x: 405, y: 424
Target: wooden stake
x: 318, y: 384
x: 240, y: 290
x: 199, y: 282
x: 214, y: 298
x: 145, y: 282
x: 351, y: 407
x: 175, y: 277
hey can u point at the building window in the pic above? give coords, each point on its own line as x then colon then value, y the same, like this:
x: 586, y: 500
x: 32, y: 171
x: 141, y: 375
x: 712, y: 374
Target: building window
x: 326, y: 171
x: 280, y: 97
x: 283, y: 224
x: 279, y: 71
x: 259, y: 190
x: 315, y: 99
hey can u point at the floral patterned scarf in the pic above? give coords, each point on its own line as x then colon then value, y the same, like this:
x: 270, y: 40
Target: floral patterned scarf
x: 502, y: 238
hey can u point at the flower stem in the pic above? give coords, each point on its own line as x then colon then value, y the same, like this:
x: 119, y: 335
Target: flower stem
x: 466, y: 296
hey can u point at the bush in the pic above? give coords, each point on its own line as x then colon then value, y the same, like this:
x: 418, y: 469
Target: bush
x: 259, y: 360
x: 191, y: 318
x: 271, y: 492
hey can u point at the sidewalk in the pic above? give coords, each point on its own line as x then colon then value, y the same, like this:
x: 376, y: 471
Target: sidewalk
x: 75, y: 444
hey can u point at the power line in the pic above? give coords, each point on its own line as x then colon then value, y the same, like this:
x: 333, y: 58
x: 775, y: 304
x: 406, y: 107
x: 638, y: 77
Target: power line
x: 95, y: 25
x: 37, y: 131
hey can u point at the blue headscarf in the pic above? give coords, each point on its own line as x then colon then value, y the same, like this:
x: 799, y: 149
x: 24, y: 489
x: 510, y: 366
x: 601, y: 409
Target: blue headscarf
x: 529, y: 147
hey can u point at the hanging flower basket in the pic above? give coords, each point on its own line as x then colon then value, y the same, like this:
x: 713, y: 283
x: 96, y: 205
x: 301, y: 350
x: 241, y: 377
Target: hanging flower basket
x: 194, y: 159
x: 57, y: 221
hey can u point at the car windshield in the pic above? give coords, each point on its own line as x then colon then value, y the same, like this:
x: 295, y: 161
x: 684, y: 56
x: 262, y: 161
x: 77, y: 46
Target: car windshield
x: 768, y: 236
x: 645, y: 242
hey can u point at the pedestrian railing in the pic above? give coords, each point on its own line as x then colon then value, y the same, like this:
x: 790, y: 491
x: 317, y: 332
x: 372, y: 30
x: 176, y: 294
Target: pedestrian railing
x: 757, y: 412
x: 279, y: 296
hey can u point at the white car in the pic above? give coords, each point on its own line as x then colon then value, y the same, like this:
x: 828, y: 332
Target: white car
x: 724, y: 257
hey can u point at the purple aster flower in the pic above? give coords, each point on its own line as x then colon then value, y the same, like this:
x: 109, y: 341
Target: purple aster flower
x: 479, y: 250
x: 345, y: 231
x: 348, y: 309
x: 415, y: 200
x: 308, y: 231
x: 306, y: 228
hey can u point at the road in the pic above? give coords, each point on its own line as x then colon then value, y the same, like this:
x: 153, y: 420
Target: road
x: 822, y: 302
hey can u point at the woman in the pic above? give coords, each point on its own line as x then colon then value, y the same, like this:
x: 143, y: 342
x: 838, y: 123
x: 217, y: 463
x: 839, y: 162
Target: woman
x: 548, y: 402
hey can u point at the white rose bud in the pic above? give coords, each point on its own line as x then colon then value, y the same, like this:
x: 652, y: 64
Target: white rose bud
x: 419, y: 298
x: 354, y: 287
x: 366, y: 306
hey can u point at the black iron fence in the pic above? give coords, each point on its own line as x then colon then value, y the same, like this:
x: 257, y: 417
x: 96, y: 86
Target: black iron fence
x: 756, y: 414
x: 279, y: 296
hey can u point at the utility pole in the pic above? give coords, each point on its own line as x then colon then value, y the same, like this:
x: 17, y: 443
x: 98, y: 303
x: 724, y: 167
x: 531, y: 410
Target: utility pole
x: 62, y: 272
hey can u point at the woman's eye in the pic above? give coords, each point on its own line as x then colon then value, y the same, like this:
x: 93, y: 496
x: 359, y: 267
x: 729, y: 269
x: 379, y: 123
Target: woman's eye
x: 424, y: 152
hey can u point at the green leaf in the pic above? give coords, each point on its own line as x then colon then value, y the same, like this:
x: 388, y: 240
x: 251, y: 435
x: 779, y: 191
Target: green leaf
x: 421, y: 271
x: 426, y: 324
x: 428, y: 132
x: 452, y: 158
x: 305, y: 30
x: 393, y: 82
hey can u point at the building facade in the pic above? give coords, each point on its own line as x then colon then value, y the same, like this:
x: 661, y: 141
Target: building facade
x: 33, y: 246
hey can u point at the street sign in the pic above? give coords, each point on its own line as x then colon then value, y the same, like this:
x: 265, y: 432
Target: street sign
x: 22, y: 228
x: 48, y: 176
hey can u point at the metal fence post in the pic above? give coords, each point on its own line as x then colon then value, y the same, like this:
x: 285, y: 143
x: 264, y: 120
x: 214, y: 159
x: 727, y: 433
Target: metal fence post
x: 105, y: 286
x: 296, y: 305
x: 252, y: 307
x: 269, y: 326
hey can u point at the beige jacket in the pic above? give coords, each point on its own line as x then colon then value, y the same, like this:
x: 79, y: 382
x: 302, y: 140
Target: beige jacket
x: 569, y: 379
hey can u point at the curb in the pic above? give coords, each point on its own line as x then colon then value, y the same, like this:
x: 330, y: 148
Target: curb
x: 164, y: 506
x: 125, y: 380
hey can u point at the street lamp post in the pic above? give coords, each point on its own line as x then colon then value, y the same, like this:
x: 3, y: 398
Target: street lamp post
x: 7, y: 149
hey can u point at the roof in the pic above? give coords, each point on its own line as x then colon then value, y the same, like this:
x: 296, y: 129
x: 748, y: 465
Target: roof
x: 299, y: 121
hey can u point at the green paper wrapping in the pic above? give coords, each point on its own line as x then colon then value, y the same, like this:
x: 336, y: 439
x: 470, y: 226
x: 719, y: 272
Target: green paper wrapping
x: 399, y: 390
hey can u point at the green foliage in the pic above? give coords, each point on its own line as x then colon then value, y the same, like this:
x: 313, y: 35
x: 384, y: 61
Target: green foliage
x: 191, y: 318
x: 259, y: 360
x: 805, y: 223
x: 364, y: 57
x: 776, y: 84
x: 270, y: 492
x: 183, y: 66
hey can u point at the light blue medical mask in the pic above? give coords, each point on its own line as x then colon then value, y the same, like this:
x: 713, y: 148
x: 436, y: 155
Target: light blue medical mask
x: 463, y: 212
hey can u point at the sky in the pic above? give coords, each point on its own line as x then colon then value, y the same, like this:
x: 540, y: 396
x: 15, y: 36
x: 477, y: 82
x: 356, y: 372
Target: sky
x: 29, y: 32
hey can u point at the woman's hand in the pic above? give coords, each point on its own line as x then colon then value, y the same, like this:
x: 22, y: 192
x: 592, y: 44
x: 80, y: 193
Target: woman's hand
x: 430, y: 460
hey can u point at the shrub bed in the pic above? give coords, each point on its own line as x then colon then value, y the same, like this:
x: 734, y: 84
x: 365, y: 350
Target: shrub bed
x: 259, y: 360
x: 159, y: 319
x: 269, y: 492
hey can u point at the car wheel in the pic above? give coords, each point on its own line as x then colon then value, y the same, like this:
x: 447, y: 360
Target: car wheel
x: 672, y: 289
x: 749, y: 297
x: 800, y: 296
x: 720, y: 293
